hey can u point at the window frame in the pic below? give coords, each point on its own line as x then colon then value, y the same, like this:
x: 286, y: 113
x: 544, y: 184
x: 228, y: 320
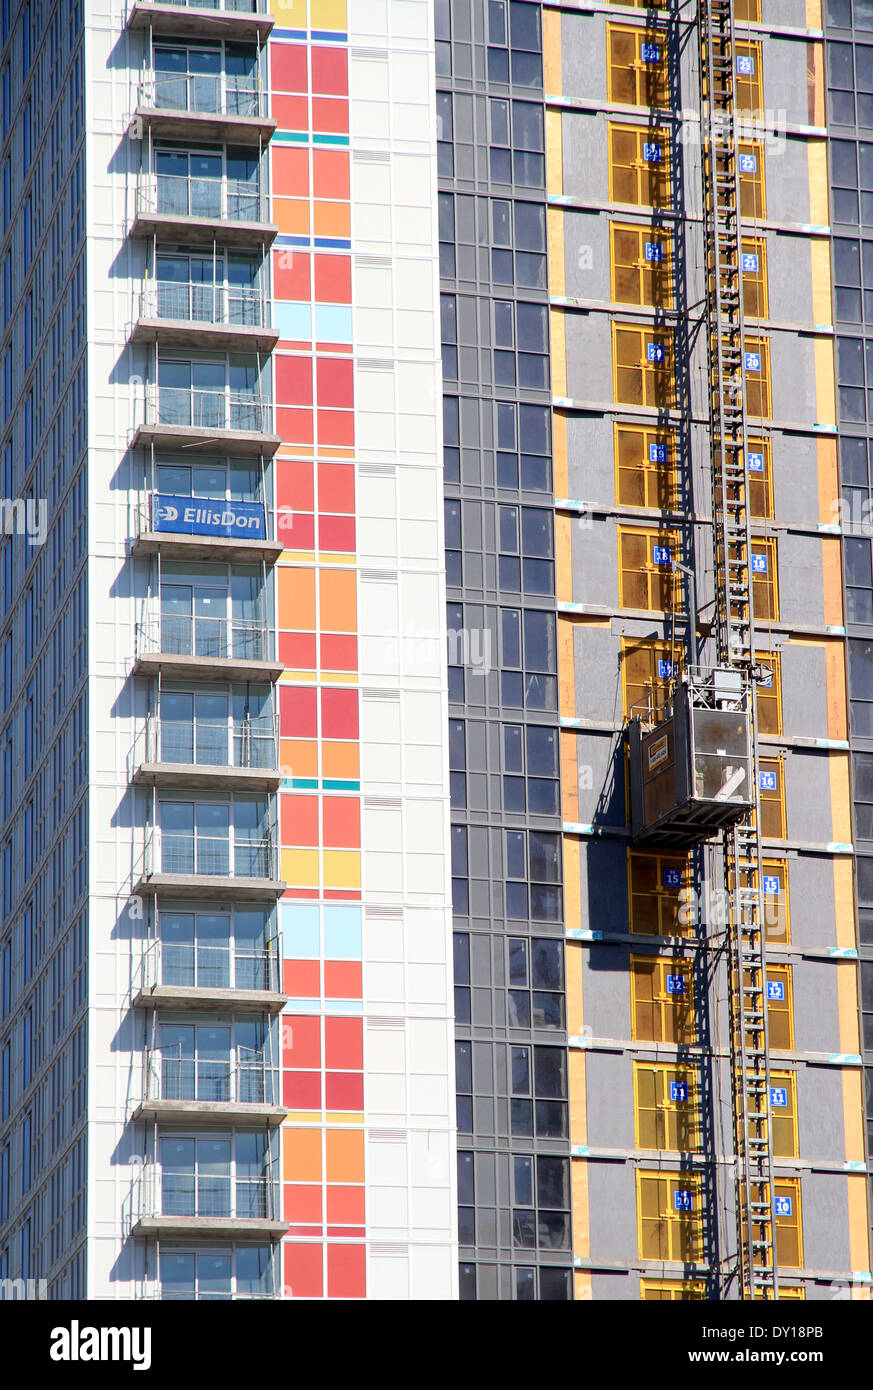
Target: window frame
x: 644, y: 183
x: 681, y: 1032
x: 661, y: 539
x: 657, y: 380
x: 663, y: 896
x: 684, y: 1237
x: 663, y: 476
x: 646, y: 92
x: 654, y: 297
x: 768, y: 584
x: 666, y: 1111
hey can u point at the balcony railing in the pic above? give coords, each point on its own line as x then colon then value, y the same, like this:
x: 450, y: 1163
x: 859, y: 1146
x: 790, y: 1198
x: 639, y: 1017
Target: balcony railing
x: 192, y: 408
x: 173, y: 195
x: 260, y: 7
x: 173, y: 1293
x: 243, y: 743
x: 248, y: 1081
x: 209, y: 856
x: 205, y: 966
x: 184, y: 634
x: 239, y: 306
x: 202, y: 94
x: 156, y: 1193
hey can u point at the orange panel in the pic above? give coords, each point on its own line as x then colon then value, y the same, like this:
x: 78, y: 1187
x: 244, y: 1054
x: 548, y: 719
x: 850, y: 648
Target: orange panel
x: 332, y: 219
x: 300, y: 756
x: 337, y: 596
x: 345, y: 1156
x: 301, y: 1155
x: 340, y: 760
x: 297, y: 596
x: 291, y: 216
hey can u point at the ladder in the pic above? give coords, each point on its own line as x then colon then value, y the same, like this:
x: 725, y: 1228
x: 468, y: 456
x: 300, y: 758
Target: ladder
x: 734, y: 631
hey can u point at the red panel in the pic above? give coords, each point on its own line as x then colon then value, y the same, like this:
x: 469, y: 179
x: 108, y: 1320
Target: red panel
x: 301, y: 978
x: 328, y: 115
x: 301, y: 1041
x: 299, y: 819
x: 344, y: 1090
x: 288, y: 67
x: 303, y: 1263
x: 292, y: 113
x: 333, y: 279
x: 334, y: 533
x: 297, y: 650
x: 344, y: 1047
x: 339, y: 714
x: 290, y: 172
x: 297, y: 712
x: 330, y: 71
x: 336, y: 487
x: 292, y: 278
x: 293, y: 379
x: 297, y: 530
x: 346, y: 1267
x: 342, y: 822
x: 330, y: 175
x: 343, y: 979
x: 303, y: 1202
x: 338, y: 653
x: 295, y: 426
x: 301, y: 1090
x: 345, y: 1205
x: 336, y: 429
x: 335, y: 382
x: 294, y: 485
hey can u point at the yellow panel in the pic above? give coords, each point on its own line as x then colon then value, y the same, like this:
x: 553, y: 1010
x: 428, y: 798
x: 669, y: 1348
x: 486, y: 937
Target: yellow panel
x: 342, y: 868
x: 300, y: 867
x: 859, y: 1220
x: 844, y: 909
x: 559, y: 352
x: 552, y: 75
x: 841, y: 798
x: 819, y: 202
x: 828, y: 480
x: 566, y: 667
x: 835, y: 669
x: 328, y: 14
x: 573, y: 964
x: 554, y: 154
x: 289, y: 14
x: 820, y: 263
x: 555, y: 224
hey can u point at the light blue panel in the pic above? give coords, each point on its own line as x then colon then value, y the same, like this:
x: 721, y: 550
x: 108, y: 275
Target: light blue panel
x: 342, y: 932
x: 333, y: 323
x: 293, y: 321
x: 299, y: 931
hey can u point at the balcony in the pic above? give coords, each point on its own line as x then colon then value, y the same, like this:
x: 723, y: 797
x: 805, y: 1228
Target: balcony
x: 179, y: 314
x: 180, y: 417
x: 230, y: 211
x: 204, y: 106
x: 200, y: 1091
x: 234, y: 19
x: 231, y: 754
x: 194, y: 976
x: 220, y: 867
x: 207, y: 1206
x: 203, y: 528
x: 180, y: 645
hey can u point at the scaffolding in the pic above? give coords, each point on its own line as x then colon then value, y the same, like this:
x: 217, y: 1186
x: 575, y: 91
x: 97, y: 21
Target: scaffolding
x: 735, y: 642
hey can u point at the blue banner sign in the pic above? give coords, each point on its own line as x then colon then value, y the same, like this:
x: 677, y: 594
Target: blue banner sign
x: 198, y: 516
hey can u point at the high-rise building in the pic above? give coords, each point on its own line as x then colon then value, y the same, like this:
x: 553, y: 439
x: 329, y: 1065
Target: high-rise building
x: 436, y: 641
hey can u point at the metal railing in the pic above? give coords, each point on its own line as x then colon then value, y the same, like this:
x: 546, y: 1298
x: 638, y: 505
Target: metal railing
x: 249, y: 1081
x: 212, y: 410
x: 156, y: 1192
x: 201, y: 93
x: 186, y: 634
x: 242, y: 743
x: 169, y: 1293
x: 174, y: 195
x: 215, y: 856
x: 243, y: 306
x: 204, y: 965
x: 258, y: 7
